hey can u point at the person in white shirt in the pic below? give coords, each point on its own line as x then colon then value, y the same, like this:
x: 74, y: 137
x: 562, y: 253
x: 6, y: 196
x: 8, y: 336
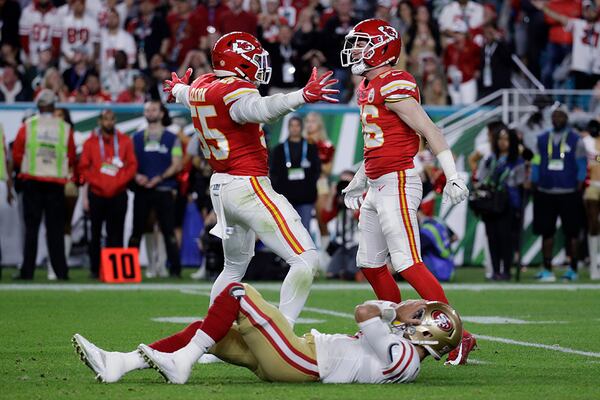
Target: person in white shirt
x: 79, y: 31
x: 392, y: 341
x: 467, y: 11
x: 39, y: 29
x: 114, y: 38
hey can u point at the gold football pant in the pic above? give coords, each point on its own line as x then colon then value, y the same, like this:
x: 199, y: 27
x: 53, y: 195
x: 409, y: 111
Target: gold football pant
x: 264, y: 342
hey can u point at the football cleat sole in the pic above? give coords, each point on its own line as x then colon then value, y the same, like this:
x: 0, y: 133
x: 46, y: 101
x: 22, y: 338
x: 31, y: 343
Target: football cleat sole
x: 84, y: 358
x: 153, y: 365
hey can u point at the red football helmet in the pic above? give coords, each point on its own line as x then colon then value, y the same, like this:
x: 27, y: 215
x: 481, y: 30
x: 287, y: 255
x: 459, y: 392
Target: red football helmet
x: 370, y: 44
x: 241, y: 54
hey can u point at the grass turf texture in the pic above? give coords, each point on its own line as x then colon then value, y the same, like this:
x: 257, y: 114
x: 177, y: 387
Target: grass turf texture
x: 38, y: 361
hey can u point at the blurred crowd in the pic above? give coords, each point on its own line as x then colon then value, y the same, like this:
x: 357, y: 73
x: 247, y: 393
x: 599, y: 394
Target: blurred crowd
x: 121, y: 51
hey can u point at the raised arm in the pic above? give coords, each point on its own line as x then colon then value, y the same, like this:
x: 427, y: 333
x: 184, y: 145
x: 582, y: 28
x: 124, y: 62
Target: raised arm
x: 541, y: 5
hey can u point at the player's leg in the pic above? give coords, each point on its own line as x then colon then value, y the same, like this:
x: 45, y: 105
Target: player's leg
x: 281, y: 355
x: 592, y: 208
x: 278, y: 225
x: 372, y: 253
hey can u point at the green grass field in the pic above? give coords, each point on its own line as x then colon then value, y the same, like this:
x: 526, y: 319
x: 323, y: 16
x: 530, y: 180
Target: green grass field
x: 549, y: 348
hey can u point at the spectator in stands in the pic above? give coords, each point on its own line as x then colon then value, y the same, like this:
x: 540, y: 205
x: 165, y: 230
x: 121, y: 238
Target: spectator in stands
x: 560, y: 40
x: 9, y: 55
x: 423, y: 38
x: 11, y: 86
x: 559, y: 168
x: 35, y: 75
x: 335, y: 30
x: 496, y: 63
x: 585, y: 56
x: 405, y: 17
x: 236, y: 19
x: 113, y: 39
x: 136, y: 93
x: 470, y: 13
x: 433, y: 81
x: 461, y: 60
x: 121, y: 7
x: 80, y: 32
x: 10, y: 14
x: 90, y: 91
x: 160, y: 72
x: 46, y: 163
x: 107, y: 165
x: 53, y: 81
x: 591, y: 139
x: 159, y: 154
x: 269, y: 22
x: 285, y: 61
x: 79, y: 69
x: 212, y: 12
x: 197, y: 60
x: 39, y: 28
x: 150, y: 32
x: 187, y: 27
x: 307, y: 42
x: 119, y: 76
x: 503, y: 171
x: 294, y: 169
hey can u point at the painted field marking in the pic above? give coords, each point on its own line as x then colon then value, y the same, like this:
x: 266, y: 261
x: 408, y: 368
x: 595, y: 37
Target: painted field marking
x: 539, y: 346
x: 494, y: 320
x: 189, y: 320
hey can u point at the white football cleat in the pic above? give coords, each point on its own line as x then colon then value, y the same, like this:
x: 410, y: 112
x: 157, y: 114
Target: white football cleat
x: 106, y: 365
x: 174, y: 367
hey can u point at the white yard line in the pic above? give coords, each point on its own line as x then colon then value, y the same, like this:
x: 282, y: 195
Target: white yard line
x: 539, y: 346
x: 474, y: 287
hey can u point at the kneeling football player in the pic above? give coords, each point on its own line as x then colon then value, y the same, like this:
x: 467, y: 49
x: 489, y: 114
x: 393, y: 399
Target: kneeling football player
x: 241, y: 328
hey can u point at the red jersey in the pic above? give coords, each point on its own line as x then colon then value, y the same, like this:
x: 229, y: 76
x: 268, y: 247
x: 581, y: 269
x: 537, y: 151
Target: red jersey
x: 228, y: 146
x: 390, y: 144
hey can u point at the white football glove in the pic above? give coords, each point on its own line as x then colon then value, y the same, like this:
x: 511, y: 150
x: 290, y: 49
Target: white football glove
x: 455, y: 191
x: 353, y: 193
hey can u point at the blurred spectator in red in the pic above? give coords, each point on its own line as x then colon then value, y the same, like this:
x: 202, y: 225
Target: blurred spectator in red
x: 90, y: 91
x: 150, y: 32
x: 461, y: 60
x: 269, y: 22
x: 39, y: 27
x: 333, y: 36
x: 284, y: 61
x: 121, y: 7
x: 119, y: 76
x: 560, y: 39
x: 211, y: 12
x: 466, y: 11
x: 107, y: 165
x: 11, y: 86
x: 186, y: 29
x: 75, y: 75
x: 80, y: 31
x: 136, y: 93
x: 113, y: 39
x: 236, y: 19
x: 10, y: 14
x: 496, y: 62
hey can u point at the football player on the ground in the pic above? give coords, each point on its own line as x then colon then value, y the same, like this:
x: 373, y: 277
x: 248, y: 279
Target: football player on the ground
x: 227, y: 111
x: 392, y: 341
x: 392, y: 123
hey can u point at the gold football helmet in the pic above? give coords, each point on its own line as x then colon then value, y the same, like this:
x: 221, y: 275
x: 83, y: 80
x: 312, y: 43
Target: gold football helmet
x: 440, y: 330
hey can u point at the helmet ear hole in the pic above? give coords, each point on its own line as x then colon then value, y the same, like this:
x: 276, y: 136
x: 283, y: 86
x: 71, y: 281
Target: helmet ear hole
x: 245, y: 66
x: 427, y: 334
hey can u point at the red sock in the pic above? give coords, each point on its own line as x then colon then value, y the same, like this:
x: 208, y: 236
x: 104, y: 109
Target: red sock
x: 219, y: 319
x: 178, y: 340
x: 423, y: 281
x: 383, y: 283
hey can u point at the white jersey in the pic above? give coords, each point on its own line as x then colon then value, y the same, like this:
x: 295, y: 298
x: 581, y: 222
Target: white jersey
x: 350, y: 359
x: 102, y: 14
x: 111, y: 43
x: 472, y: 15
x: 586, y: 46
x: 40, y: 28
x: 91, y: 9
x: 78, y: 33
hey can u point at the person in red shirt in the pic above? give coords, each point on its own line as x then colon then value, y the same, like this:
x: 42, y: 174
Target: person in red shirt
x: 107, y: 165
x: 90, y: 92
x: 462, y: 62
x: 187, y: 27
x: 237, y: 20
x: 44, y: 153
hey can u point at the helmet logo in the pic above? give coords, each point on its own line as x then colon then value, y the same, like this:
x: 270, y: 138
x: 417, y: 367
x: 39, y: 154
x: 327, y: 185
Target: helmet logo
x: 442, y: 321
x: 242, y: 46
x: 389, y: 31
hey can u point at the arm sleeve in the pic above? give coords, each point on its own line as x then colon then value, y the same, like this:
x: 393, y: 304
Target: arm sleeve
x: 19, y: 147
x: 85, y: 164
x: 181, y: 92
x: 254, y: 108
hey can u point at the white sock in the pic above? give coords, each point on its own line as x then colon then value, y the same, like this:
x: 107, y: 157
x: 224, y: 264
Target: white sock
x: 296, y: 285
x: 132, y: 361
x: 199, y: 345
x: 68, y: 245
x: 594, y: 249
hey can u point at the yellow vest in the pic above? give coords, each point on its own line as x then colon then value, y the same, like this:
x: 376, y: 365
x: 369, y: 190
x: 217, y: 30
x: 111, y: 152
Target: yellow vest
x: 46, y: 147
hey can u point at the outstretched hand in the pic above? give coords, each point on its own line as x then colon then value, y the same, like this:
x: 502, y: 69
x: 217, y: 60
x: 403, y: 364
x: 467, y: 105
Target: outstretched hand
x: 410, y: 312
x: 319, y: 88
x: 168, y: 85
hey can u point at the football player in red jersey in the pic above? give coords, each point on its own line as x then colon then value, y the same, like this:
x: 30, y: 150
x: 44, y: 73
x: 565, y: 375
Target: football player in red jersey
x: 393, y: 122
x: 227, y: 111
